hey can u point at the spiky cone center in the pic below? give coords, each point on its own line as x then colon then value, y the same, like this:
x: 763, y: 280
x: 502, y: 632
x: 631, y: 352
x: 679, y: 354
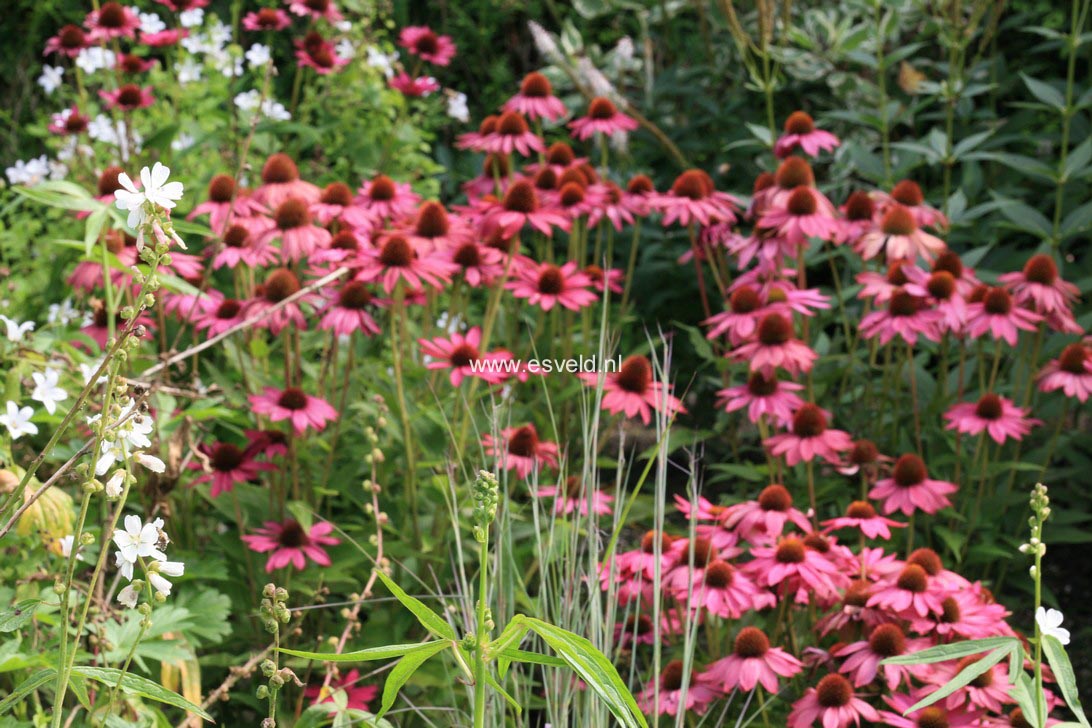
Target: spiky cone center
x: 130, y: 95
x: 1041, y: 269
x: 467, y: 255
x: 640, y: 624
x: 861, y: 510
x: 791, y: 550
x: 759, y: 385
x: 997, y: 302
x: 345, y: 240
x: 907, y: 192
x: 640, y: 185
x: 279, y: 169
x: 382, y: 189
x: 887, y: 640
x: 397, y: 252
x: 933, y: 717
x: 226, y: 457
x: 809, y: 421
x: 221, y: 188
x: 426, y: 44
x: 744, y: 299
x: 927, y: 559
x: 903, y: 304
x: 719, y: 574
x: 551, y: 281
x: 536, y: 86
x: 292, y: 535
x: 802, y: 202
x: 432, y: 221
x: 573, y: 176
x: 951, y: 611
x: 112, y: 15
x: 859, y: 207
x: 898, y: 221
x: 280, y: 284
x: 236, y: 236
x: 291, y: 214
x: 521, y: 198
x: 337, y: 193
x: 864, y: 452
x: 751, y: 642
x: 1073, y: 359
x: 692, y: 184
x: 355, y: 296
x: 463, y: 355
x: 817, y: 542
x: 913, y: 579
x: 793, y: 173
x: 229, y: 308
x: 523, y: 442
x: 495, y: 165
x: 601, y: 109
x: 834, y: 691
x: 949, y: 262
x: 799, y: 122
x: 649, y: 540
x: 572, y: 194
x: 774, y: 329
x: 512, y: 123
x: 704, y: 553
x: 72, y: 36
x: 775, y: 498
x: 546, y: 179
x: 984, y: 680
x: 941, y: 285
x: 292, y: 398
x: 989, y: 407
x: 909, y: 471
x: 671, y: 677
x: 635, y: 374
x: 268, y: 18
x: 560, y: 154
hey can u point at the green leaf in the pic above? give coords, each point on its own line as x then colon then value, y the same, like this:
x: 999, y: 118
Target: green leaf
x: 429, y: 619
x: 372, y: 653
x: 1044, y: 92
x: 593, y: 668
x: 954, y: 651
x: 405, y: 669
x: 1063, y: 674
x: 1022, y: 691
x: 492, y: 682
x: 964, y: 678
x: 18, y: 614
x: 534, y: 658
x: 26, y: 687
x: 1027, y: 218
x: 94, y: 226
x: 141, y: 686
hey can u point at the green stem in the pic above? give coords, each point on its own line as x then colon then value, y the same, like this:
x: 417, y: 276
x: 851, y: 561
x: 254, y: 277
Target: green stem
x: 398, y: 322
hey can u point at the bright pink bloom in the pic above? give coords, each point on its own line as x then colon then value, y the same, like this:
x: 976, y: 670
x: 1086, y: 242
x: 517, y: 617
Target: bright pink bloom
x: 292, y: 403
x: 861, y: 660
x: 413, y: 87
x: 762, y: 521
x: 633, y: 390
x: 906, y: 316
x: 480, y: 265
x: 908, y: 595
x: 318, y: 53
x: 241, y: 245
x: 831, y: 704
x: 357, y: 697
x: 573, y: 496
x: 547, y: 285
x: 69, y: 41
x: 422, y: 42
x: 128, y: 97
x: 670, y: 699
x: 281, y: 181
x: 133, y: 64
x: 397, y: 259
x: 180, y: 6
x: 910, y: 489
x: 763, y: 397
x: 809, y: 438
x: 291, y: 544
x: 968, y: 613
x: 224, y: 205
x: 168, y: 37
x: 295, y: 228
x: 512, y: 135
x: 998, y: 314
x: 536, y: 99
x: 433, y: 229
x: 1071, y: 372
x: 694, y: 198
x: 315, y: 10
x: 520, y: 207
x: 266, y: 19
x: 111, y: 20
x: 861, y: 515
x: 219, y: 317
x: 336, y: 205
x: 463, y: 356
x: 908, y: 194
x: 385, y: 198
x: 603, y: 118
x: 519, y: 449
x: 989, y: 691
x: 800, y: 132
x: 752, y: 662
x: 806, y: 214
x: 712, y: 584
x: 933, y: 715
x: 350, y: 310
x: 993, y: 414
x: 899, y: 238
x: 1039, y: 286
x: 230, y: 464
x: 775, y: 347
x: 791, y: 568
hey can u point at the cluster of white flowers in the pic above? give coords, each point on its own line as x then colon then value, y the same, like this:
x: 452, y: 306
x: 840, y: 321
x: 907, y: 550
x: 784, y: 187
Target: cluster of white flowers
x: 457, y: 108
x: 17, y: 420
x: 258, y: 55
x: 383, y: 61
x: 130, y: 439
x: 64, y: 313
x: 345, y: 49
x: 51, y: 79
x: 30, y: 172
x: 154, y: 191
x: 137, y: 541
x: 104, y: 129
x: 191, y: 18
x: 95, y: 58
x: 250, y: 100
x: 188, y: 71
x: 47, y: 389
x: 151, y: 23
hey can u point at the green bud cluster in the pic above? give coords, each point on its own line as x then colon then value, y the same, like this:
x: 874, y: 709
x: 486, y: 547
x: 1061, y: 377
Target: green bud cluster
x: 486, y: 494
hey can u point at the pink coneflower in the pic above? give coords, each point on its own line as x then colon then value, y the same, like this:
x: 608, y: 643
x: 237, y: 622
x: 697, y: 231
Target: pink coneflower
x: 989, y: 691
x: 809, y: 438
x: 133, y: 64
x: 968, y: 613
x: 180, y: 6
x: 280, y: 181
x: 993, y: 414
x: 396, y: 259
x: 640, y: 191
x: 434, y: 230
x: 221, y: 315
x: 128, y: 97
x: 703, y: 510
x: 910, y: 489
x: 280, y: 284
x: 740, y: 321
x: 604, y: 280
x: 69, y: 122
x: 863, y: 458
x: 318, y: 53
x: 752, y: 662
x: 693, y: 198
x: 640, y: 629
x: 909, y: 594
x: 792, y: 568
x: 224, y: 204
x: 241, y: 245
x: 1071, y: 372
x: 512, y: 135
x: 422, y: 42
x: 291, y: 544
x: 832, y: 704
x: 293, y: 226
x: 806, y: 214
x: 713, y: 584
x: 1040, y: 287
x: 475, y: 140
x: 800, y: 132
x: 385, y: 198
x: 520, y: 449
x: 335, y: 204
x: 612, y: 206
x: 881, y: 286
x: 230, y: 464
x: 900, y: 238
x: 763, y: 520
x: 998, y: 314
x: 858, y: 217
x: 356, y: 697
x: 167, y: 37
x: 349, y: 310
x: 671, y: 698
x: 941, y: 288
x: 906, y: 316
x: 908, y: 194
x: 536, y: 99
x: 573, y: 496
x: 763, y: 396
x: 861, y: 515
x: 315, y: 10
x: 413, y: 87
x: 861, y: 660
x: 632, y: 390
x: 69, y: 41
x: 266, y: 19
x: 111, y: 20
x: 520, y: 207
x: 270, y: 443
x: 292, y: 403
x: 88, y: 274
x: 933, y: 716
x: 603, y: 118
x: 479, y: 265
x: 774, y: 346
x: 547, y: 285
x: 463, y: 356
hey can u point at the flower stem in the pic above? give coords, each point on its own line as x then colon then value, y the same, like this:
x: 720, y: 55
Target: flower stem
x: 398, y: 322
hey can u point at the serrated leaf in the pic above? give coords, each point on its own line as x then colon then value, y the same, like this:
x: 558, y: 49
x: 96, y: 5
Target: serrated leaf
x: 1064, y: 676
x: 372, y: 653
x: 26, y: 687
x: 18, y: 614
x: 141, y: 686
x: 954, y: 651
x: 404, y: 670
x: 429, y: 619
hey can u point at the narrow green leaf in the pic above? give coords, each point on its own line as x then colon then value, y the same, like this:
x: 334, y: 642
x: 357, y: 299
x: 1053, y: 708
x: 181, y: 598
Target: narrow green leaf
x: 1021, y: 691
x: 1044, y: 92
x: 141, y: 686
x: 372, y: 653
x: 404, y: 670
x: 429, y: 619
x: 18, y: 614
x: 964, y: 678
x: 534, y: 658
x: 1063, y: 674
x: 95, y: 222
x: 26, y: 687
x: 954, y: 651
x: 492, y: 682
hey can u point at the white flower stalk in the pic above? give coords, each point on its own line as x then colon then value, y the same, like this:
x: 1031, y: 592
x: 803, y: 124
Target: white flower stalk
x: 137, y: 540
x: 545, y: 43
x: 46, y: 389
x: 1050, y: 623
x: 17, y: 421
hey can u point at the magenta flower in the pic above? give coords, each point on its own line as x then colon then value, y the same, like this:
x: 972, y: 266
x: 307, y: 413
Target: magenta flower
x: 694, y: 199
x: 809, y: 438
x: 698, y: 695
x: 397, y: 259
x: 993, y: 414
x: 349, y: 309
x: 315, y: 10
x: 520, y: 449
x: 385, y: 198
x: 861, y: 515
x: 128, y: 97
x: 69, y: 41
x: 536, y: 99
x: 422, y: 42
x: 357, y: 697
x: 1040, y: 285
x: 230, y: 464
x: 793, y: 568
x: 774, y: 346
x: 763, y: 396
x: 831, y: 704
x: 603, y: 118
x: 907, y: 595
x: 806, y: 214
x: 167, y: 37
x: 800, y: 132
x: 933, y: 715
x: 413, y: 87
x: 318, y: 53
x: 218, y: 317
x: 293, y: 404
x: 998, y: 314
x: 752, y: 662
x: 1071, y: 372
x: 291, y: 544
x: 908, y: 194
x: 899, y: 238
x: 222, y: 204
x: 336, y: 204
x: 512, y: 135
x: 281, y: 181
x: 520, y: 207
x: 111, y: 20
x: 633, y: 391
x: 763, y: 520
x: 266, y: 19
x: 462, y: 355
x: 480, y: 265
x: 713, y: 584
x: 861, y: 660
x: 433, y: 229
x: 572, y: 496
x: 547, y: 285
x: 242, y: 245
x: 968, y: 613
x: 293, y: 225
x: 910, y: 489
x: 280, y: 284
x: 906, y: 316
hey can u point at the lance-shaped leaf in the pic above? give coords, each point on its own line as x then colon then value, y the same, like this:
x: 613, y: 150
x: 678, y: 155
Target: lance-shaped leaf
x: 26, y: 687
x: 404, y: 670
x: 965, y: 677
x: 1022, y: 691
x: 954, y: 651
x: 141, y: 686
x: 429, y: 619
x: 1064, y: 676
x: 372, y: 653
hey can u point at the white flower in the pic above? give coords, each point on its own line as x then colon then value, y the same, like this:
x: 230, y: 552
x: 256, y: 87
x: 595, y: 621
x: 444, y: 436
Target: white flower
x: 456, y: 107
x: 183, y: 141
x: 128, y: 596
x: 258, y: 55
x: 219, y: 35
x: 344, y: 25
x: 151, y: 462
x: 545, y: 43
x: 382, y: 61
x: 191, y: 18
x: 17, y: 420
x: 194, y: 43
x: 94, y: 58
x: 248, y: 100
x: 151, y: 23
x: 51, y: 79
x: 46, y: 390
x: 275, y: 110
x: 189, y: 71
x: 88, y: 370
x: 115, y: 486
x: 137, y: 540
x: 28, y: 173
x: 230, y: 66
x: 345, y: 49
x: 102, y: 129
x: 1050, y: 622
x: 154, y: 189
x: 65, y: 542
x: 156, y: 570
x: 14, y: 330
x: 594, y: 78
x: 63, y: 313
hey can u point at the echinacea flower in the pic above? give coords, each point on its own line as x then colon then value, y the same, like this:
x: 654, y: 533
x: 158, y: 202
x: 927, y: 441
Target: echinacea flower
x: 993, y: 414
x: 520, y: 206
x: 295, y: 405
x: 413, y: 87
x: 512, y: 135
x: 800, y: 131
x: 1040, y: 285
x: 906, y: 316
x: 632, y: 390
x: 265, y: 19
x: 664, y: 692
x: 315, y: 10
x: 69, y: 122
x: 791, y: 568
x: 933, y: 715
x: 1071, y: 372
x: 908, y: 193
x: 806, y: 214
x: 861, y: 515
x: 69, y: 41
x: 385, y: 198
x: 521, y: 450
x: 999, y: 315
x: 763, y: 520
x: 291, y: 544
x: 111, y: 20
x: 900, y: 238
x: 344, y: 693
x: 128, y: 97
x: 831, y: 704
x: 242, y: 245
x: 281, y: 181
x: 752, y: 662
x: 573, y: 496
x: 350, y: 310
x: 603, y: 118
x: 421, y: 41
x: 764, y: 397
x: 775, y: 346
x: 988, y: 691
x: 397, y: 259
x: 336, y: 204
x: 910, y: 489
x: 224, y: 204
x: 316, y: 52
x: 294, y: 227
x: 861, y: 660
x: 968, y: 613
x: 547, y: 285
x: 462, y: 354
x: 536, y: 99
x: 711, y: 583
x: 809, y: 438
x: 279, y: 285
x: 909, y: 594
x: 480, y: 265
x: 694, y: 199
x: 230, y: 464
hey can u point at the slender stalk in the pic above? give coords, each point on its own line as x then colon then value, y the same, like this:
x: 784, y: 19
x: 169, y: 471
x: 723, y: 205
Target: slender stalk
x: 398, y: 323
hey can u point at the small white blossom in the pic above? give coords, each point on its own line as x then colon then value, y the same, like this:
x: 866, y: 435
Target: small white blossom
x: 545, y: 43
x: 116, y: 484
x: 189, y: 71
x: 28, y: 173
x: 344, y: 26
x: 51, y: 79
x: 219, y: 34
x: 17, y: 420
x: 195, y: 43
x: 151, y: 462
x: 275, y: 110
x: 102, y: 129
x: 128, y: 596
x: 157, y: 569
x: 192, y: 18
x: 183, y: 141
x: 151, y: 23
x: 88, y: 370
x: 383, y: 61
x: 258, y: 55
x: 137, y: 540
x: 456, y: 107
x: 63, y: 313
x: 14, y: 330
x: 248, y: 100
x: 1050, y: 623
x: 345, y: 49
x: 227, y: 64
x: 65, y: 542
x: 46, y: 389
x: 594, y: 78
x: 95, y: 58
x: 155, y: 189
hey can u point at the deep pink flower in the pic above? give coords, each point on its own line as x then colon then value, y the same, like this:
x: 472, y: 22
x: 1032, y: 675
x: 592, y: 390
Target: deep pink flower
x: 752, y: 662
x: 433, y: 229
x: 536, y: 99
x: 993, y: 414
x: 900, y: 238
x: 1071, y: 372
x: 385, y: 198
x: 774, y: 346
x: 420, y: 86
x: 603, y: 118
x: 357, y: 697
x: 942, y: 291
x: 463, y: 356
x: 318, y: 53
x: 989, y: 691
x: 218, y: 317
x: 792, y: 568
x: 336, y: 204
x: 349, y: 309
x: 633, y: 390
x: 968, y: 613
x: 520, y: 207
x: 111, y: 20
x: 396, y: 259
x: 572, y: 496
x: 241, y: 245
x: 906, y: 316
x: 292, y: 403
x: 475, y: 140
x: 910, y: 489
x: 800, y: 132
x: 711, y: 583
x: 999, y: 315
x: 861, y: 660
x: 280, y: 181
x: 294, y: 227
x: 69, y: 41
x: 809, y: 438
x: 547, y: 285
x: 670, y: 700
x: 694, y: 198
x: 291, y: 544
x: 128, y: 97
x: 230, y: 464
x: 168, y: 37
x: 909, y: 594
x: 480, y: 265
x: 933, y: 715
x: 133, y: 64
x: 315, y: 10
x: 266, y: 19
x: 806, y: 214
x: 180, y: 6
x: 763, y: 397
x: 861, y: 515
x: 224, y: 205
x: 908, y: 194
x: 520, y: 449
x: 831, y: 704
x: 422, y: 42
x: 1040, y: 285
x: 512, y: 135
x: 762, y: 521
